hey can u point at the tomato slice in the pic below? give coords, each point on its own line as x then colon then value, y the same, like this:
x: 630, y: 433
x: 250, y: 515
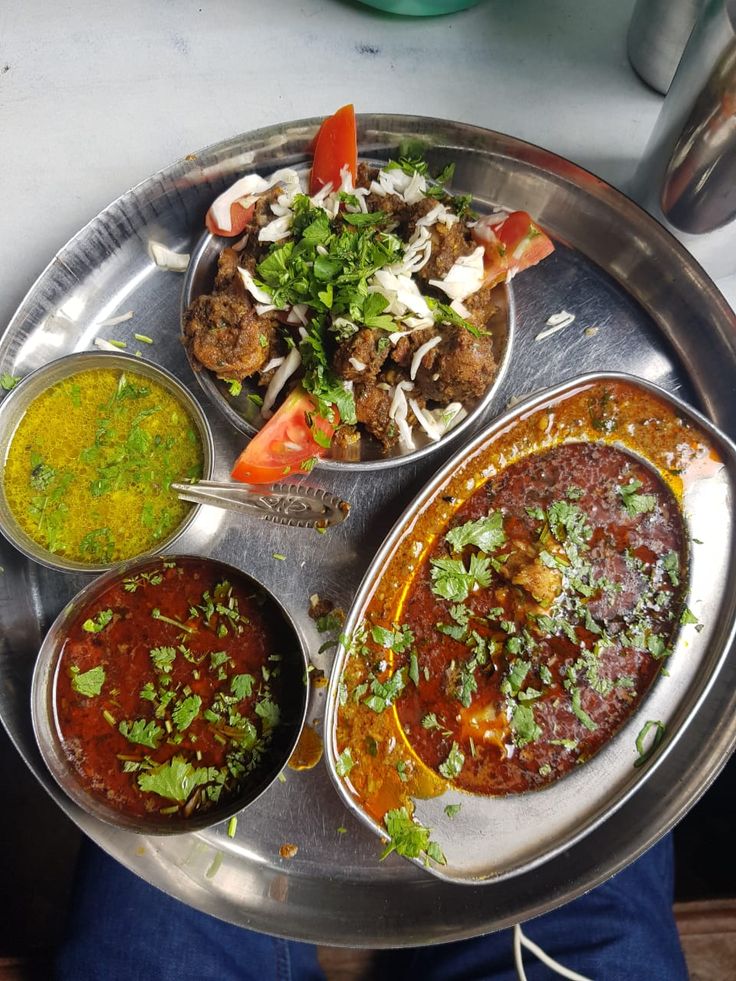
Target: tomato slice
x: 286, y: 441
x: 336, y: 146
x: 239, y: 219
x: 525, y: 242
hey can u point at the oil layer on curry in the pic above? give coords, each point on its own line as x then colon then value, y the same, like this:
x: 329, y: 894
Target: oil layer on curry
x: 524, y: 617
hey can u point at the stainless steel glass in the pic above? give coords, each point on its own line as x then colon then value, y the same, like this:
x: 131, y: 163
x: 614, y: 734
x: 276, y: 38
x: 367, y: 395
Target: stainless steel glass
x: 687, y: 177
x: 642, y: 306
x: 657, y: 36
x: 48, y: 736
x: 14, y: 406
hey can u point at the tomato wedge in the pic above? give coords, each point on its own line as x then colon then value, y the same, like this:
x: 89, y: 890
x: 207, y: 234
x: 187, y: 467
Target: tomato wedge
x: 286, y: 442
x: 525, y: 242
x: 239, y: 219
x: 336, y: 146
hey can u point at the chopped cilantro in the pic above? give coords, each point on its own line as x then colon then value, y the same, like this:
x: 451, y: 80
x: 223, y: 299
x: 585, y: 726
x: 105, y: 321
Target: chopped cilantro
x: 98, y: 623
x: 646, y: 752
x: 671, y: 565
x: 524, y: 728
x: 408, y: 837
x: 633, y: 502
x: 141, y: 732
x: 452, y: 581
x: 687, y: 616
x: 176, y: 779
x: 580, y: 712
x: 451, y: 810
x: 241, y: 685
x: 269, y: 712
x: 454, y: 763
x: 414, y: 669
x: 8, y: 382
x: 384, y: 693
x: 344, y: 763
x: 88, y: 683
x: 186, y: 711
x: 487, y: 533
x: 163, y: 658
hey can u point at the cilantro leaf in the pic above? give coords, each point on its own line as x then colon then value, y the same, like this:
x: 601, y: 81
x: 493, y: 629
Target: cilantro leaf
x: 452, y: 581
x: 646, y: 753
x: 454, y: 763
x: 580, y: 712
x: 163, y: 658
x: 269, y: 712
x: 186, y: 711
x: 408, y: 837
x: 671, y: 565
x: 568, y: 522
x: 633, y: 502
x: 524, y: 728
x: 98, y: 623
x: 452, y: 809
x: 487, y: 533
x: 8, y: 382
x: 241, y: 685
x: 176, y: 779
x: 384, y: 693
x: 344, y: 763
x: 90, y: 682
x: 141, y: 732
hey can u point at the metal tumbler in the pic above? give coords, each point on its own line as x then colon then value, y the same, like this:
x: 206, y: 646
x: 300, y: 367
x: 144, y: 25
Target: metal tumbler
x: 687, y: 177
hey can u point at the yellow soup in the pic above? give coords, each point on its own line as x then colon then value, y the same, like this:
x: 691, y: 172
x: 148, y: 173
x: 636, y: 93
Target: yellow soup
x: 89, y: 468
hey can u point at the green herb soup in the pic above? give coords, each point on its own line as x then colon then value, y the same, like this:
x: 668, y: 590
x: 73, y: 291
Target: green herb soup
x: 89, y: 468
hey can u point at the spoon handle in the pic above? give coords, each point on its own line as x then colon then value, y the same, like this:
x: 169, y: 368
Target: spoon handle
x: 284, y: 504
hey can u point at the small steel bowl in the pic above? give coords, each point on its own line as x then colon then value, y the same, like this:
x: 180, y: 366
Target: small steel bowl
x: 244, y: 414
x: 14, y: 406
x: 293, y: 706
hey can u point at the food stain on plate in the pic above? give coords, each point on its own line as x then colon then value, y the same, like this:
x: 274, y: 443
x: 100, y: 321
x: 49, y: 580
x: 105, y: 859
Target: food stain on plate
x: 308, y: 751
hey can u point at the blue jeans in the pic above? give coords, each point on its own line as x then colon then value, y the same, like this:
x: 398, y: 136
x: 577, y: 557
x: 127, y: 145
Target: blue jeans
x: 122, y: 929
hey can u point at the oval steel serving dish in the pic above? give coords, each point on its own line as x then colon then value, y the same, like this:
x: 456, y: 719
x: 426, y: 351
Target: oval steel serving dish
x: 492, y: 838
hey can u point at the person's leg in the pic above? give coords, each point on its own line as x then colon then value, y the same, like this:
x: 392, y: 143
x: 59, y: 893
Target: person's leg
x: 624, y: 929
x: 122, y: 929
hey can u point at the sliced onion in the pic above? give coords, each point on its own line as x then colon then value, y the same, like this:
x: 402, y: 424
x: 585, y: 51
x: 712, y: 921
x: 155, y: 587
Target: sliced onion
x: 168, y: 259
x: 283, y: 373
x: 465, y: 277
x: 298, y: 314
x: 420, y: 352
x: 248, y: 187
x: 273, y: 363
x: 276, y: 230
x: 257, y: 292
x: 425, y: 421
x: 357, y: 364
x: 114, y: 321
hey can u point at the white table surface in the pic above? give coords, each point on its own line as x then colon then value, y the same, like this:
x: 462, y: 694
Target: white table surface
x: 96, y: 95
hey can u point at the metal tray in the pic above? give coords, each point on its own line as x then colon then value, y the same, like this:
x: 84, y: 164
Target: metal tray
x: 658, y: 316
x: 531, y: 828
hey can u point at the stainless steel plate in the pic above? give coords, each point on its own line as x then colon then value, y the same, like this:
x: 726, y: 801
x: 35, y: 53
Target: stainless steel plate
x: 494, y: 838
x: 658, y: 316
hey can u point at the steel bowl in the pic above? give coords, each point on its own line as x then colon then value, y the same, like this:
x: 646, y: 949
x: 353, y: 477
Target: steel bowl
x: 48, y: 737
x: 244, y: 415
x: 14, y: 406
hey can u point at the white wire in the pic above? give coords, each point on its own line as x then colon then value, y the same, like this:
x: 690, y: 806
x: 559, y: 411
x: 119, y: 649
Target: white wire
x: 518, y: 958
x: 520, y: 939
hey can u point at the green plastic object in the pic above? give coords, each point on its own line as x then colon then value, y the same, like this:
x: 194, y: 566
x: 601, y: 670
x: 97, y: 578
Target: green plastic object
x: 421, y: 8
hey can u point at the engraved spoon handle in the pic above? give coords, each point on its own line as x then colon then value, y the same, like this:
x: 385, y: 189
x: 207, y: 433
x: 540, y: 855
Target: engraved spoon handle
x: 284, y: 504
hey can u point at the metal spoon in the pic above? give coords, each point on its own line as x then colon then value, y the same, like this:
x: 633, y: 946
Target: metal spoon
x: 284, y: 504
